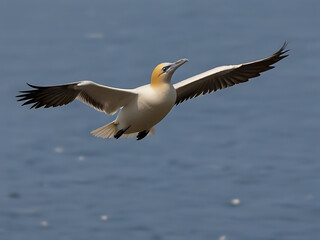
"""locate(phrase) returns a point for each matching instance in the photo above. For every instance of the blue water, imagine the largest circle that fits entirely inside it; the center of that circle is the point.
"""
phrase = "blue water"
(242, 163)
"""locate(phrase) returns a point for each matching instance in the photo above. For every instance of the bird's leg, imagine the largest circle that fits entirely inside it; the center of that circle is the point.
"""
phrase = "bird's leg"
(120, 132)
(142, 134)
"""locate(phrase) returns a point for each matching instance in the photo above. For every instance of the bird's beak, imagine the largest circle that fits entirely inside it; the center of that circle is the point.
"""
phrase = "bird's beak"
(177, 64)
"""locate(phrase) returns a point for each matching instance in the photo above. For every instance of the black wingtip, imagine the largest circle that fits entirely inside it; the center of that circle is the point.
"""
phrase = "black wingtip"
(33, 86)
(30, 85)
(280, 53)
(285, 44)
(284, 49)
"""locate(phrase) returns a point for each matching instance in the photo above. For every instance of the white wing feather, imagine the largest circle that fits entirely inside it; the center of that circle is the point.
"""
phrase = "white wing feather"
(102, 98)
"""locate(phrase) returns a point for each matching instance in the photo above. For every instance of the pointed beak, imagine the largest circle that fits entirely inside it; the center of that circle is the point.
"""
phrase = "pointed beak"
(177, 64)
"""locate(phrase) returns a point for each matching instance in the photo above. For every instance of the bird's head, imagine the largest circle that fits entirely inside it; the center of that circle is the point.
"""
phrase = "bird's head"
(163, 72)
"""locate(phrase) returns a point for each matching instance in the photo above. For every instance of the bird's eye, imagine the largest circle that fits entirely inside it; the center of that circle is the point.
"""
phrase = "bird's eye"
(165, 68)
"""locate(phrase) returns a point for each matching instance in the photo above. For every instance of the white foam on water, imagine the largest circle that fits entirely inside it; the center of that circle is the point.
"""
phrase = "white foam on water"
(59, 150)
(235, 201)
(44, 223)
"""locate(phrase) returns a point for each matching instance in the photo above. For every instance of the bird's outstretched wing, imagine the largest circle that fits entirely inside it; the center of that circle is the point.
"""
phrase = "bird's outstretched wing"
(102, 98)
(225, 76)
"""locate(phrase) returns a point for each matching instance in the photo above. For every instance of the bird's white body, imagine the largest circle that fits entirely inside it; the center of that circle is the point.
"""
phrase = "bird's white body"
(143, 107)
(150, 106)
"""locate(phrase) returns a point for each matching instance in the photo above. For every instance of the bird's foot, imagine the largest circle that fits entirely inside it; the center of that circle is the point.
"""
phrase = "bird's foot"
(120, 132)
(142, 134)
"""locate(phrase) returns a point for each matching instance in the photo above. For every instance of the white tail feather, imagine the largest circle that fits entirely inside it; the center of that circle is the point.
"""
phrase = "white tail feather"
(107, 131)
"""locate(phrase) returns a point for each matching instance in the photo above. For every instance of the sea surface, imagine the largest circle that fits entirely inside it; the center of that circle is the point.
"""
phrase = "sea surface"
(242, 163)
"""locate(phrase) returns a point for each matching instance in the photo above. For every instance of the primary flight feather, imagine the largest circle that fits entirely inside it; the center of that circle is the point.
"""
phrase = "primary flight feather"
(143, 107)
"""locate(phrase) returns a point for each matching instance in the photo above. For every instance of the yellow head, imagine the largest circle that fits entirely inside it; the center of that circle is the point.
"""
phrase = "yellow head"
(163, 72)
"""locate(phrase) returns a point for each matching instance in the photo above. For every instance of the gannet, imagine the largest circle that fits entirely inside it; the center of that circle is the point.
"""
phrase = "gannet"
(145, 106)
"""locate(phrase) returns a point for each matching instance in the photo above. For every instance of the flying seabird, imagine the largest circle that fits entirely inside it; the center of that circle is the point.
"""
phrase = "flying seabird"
(143, 107)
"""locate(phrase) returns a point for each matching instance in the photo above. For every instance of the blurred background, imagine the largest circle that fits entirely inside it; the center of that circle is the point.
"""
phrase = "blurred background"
(242, 163)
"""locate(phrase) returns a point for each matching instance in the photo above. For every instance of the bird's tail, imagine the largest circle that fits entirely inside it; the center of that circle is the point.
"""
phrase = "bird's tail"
(107, 131)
